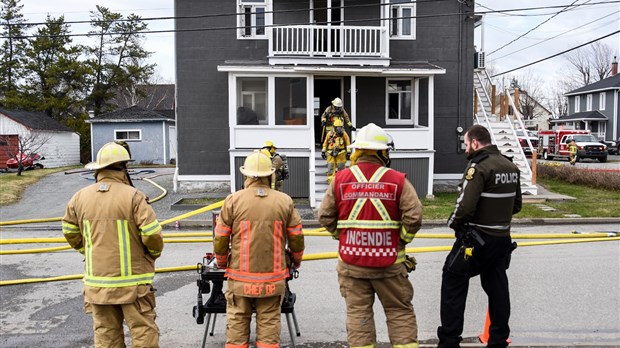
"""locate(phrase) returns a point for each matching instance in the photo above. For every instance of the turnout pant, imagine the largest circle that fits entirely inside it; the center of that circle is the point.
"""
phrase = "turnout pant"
(490, 262)
(239, 316)
(395, 294)
(334, 163)
(139, 316)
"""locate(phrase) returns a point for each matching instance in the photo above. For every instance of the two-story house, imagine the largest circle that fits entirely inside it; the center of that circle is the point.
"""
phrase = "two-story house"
(595, 107)
(255, 70)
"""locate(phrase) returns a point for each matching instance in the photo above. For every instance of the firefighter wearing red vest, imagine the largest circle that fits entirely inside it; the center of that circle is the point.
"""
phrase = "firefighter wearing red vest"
(250, 244)
(336, 149)
(113, 226)
(374, 212)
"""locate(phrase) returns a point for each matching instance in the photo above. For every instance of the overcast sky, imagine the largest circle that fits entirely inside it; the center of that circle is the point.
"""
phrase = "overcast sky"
(564, 31)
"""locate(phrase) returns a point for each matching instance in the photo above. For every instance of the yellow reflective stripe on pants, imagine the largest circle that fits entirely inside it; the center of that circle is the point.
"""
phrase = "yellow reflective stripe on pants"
(408, 345)
(366, 346)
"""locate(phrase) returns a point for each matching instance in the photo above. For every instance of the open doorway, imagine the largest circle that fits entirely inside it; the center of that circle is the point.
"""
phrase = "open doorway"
(325, 90)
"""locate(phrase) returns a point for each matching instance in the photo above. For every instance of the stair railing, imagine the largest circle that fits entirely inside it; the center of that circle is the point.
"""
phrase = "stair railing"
(517, 117)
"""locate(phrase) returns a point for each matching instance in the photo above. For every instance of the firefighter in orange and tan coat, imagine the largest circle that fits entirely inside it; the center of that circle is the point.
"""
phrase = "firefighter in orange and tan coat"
(374, 212)
(250, 244)
(113, 226)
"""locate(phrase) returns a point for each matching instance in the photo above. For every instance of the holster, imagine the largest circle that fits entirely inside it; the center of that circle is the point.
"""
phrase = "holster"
(456, 262)
(513, 246)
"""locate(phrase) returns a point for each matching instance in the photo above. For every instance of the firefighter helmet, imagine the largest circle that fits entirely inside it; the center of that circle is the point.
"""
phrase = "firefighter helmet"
(337, 102)
(372, 137)
(109, 154)
(257, 165)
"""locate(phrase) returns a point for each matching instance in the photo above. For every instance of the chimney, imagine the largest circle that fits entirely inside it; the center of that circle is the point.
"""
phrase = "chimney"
(91, 113)
(614, 67)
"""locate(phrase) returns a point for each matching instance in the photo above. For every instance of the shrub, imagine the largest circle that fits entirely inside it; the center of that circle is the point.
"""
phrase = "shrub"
(606, 180)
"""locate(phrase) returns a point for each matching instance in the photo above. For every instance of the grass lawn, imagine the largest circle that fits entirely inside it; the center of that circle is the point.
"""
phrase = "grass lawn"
(12, 186)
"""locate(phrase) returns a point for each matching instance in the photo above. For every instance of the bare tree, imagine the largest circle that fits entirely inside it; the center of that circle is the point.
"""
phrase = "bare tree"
(26, 151)
(588, 64)
(558, 103)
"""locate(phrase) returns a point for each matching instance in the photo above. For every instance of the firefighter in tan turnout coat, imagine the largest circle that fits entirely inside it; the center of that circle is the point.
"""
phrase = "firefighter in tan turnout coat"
(255, 227)
(113, 226)
(374, 212)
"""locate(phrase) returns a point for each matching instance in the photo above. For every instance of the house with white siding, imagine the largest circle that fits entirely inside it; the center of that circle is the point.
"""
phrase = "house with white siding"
(61, 145)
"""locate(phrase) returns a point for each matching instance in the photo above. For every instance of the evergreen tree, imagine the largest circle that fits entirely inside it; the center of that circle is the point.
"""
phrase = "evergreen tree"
(13, 29)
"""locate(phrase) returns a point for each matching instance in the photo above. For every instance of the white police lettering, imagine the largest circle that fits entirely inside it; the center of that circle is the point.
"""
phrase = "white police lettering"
(369, 238)
(506, 178)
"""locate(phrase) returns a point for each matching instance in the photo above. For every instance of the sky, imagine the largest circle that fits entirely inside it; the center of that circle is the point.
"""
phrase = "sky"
(564, 31)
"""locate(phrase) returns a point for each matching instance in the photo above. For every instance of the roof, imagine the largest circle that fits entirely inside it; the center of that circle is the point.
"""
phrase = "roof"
(395, 68)
(134, 114)
(35, 120)
(586, 115)
(608, 83)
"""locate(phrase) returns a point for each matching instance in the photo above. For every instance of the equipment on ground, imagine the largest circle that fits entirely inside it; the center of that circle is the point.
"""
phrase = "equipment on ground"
(209, 273)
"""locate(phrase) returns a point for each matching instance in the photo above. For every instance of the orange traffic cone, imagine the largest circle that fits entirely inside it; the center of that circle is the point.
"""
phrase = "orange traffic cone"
(484, 336)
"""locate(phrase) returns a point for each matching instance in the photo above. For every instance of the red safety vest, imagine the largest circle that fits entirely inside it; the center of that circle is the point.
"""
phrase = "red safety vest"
(367, 196)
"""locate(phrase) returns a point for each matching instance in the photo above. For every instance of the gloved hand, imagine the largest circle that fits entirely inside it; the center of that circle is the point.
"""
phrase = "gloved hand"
(323, 123)
(410, 263)
(352, 128)
(348, 155)
(324, 155)
(296, 264)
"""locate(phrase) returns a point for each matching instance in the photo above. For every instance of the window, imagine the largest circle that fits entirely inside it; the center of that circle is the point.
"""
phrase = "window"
(577, 102)
(601, 101)
(290, 95)
(252, 18)
(399, 102)
(402, 21)
(251, 100)
(128, 135)
(589, 102)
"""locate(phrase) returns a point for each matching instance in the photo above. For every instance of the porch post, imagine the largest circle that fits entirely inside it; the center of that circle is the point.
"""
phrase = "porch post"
(431, 127)
(353, 101)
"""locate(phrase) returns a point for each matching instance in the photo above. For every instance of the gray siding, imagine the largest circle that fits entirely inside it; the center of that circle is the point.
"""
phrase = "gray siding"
(149, 149)
(416, 170)
(298, 183)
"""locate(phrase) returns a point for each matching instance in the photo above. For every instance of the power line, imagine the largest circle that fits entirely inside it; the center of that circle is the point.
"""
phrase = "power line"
(557, 54)
(538, 26)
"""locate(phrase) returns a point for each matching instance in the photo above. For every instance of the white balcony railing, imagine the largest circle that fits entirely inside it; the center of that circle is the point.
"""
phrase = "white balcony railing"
(333, 44)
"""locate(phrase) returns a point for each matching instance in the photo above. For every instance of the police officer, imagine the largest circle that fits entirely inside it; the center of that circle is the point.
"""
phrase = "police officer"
(255, 227)
(374, 212)
(336, 149)
(331, 113)
(490, 193)
(113, 226)
(279, 162)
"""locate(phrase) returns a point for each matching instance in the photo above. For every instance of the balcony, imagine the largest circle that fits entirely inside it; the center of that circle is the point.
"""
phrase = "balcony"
(329, 45)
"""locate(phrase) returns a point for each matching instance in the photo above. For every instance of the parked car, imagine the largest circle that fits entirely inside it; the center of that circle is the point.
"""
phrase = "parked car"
(612, 146)
(28, 161)
(533, 137)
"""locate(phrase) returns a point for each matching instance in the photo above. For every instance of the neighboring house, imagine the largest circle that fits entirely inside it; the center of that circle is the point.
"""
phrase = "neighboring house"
(151, 134)
(406, 66)
(536, 117)
(594, 107)
(60, 144)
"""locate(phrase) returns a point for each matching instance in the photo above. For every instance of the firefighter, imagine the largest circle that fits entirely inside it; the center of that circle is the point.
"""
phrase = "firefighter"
(374, 212)
(280, 163)
(331, 113)
(254, 229)
(113, 226)
(572, 150)
(336, 149)
(490, 193)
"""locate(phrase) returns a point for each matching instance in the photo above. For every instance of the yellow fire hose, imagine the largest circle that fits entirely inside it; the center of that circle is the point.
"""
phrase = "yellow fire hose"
(162, 195)
(308, 257)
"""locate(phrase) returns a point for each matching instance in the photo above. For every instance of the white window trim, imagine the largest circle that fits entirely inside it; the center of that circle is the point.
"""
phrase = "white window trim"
(271, 100)
(400, 7)
(128, 130)
(602, 99)
(267, 4)
(589, 102)
(415, 84)
(577, 103)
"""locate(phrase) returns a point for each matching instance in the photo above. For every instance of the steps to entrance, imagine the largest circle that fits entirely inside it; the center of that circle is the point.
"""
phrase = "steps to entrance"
(320, 177)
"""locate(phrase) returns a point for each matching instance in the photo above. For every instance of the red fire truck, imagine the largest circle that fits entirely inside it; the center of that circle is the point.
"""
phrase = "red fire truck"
(554, 144)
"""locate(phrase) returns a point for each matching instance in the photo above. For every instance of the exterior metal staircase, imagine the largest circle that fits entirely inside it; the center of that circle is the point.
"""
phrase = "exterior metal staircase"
(503, 131)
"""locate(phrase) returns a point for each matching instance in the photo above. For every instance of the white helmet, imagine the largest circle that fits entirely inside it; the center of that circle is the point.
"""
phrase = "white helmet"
(371, 137)
(337, 102)
(109, 154)
(257, 165)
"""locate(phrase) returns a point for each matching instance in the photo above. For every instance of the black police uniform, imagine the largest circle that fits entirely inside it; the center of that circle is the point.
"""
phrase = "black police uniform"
(490, 193)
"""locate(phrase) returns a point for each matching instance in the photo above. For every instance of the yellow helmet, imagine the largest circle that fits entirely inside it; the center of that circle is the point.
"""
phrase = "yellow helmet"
(109, 154)
(338, 122)
(371, 137)
(269, 143)
(265, 152)
(337, 102)
(257, 165)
